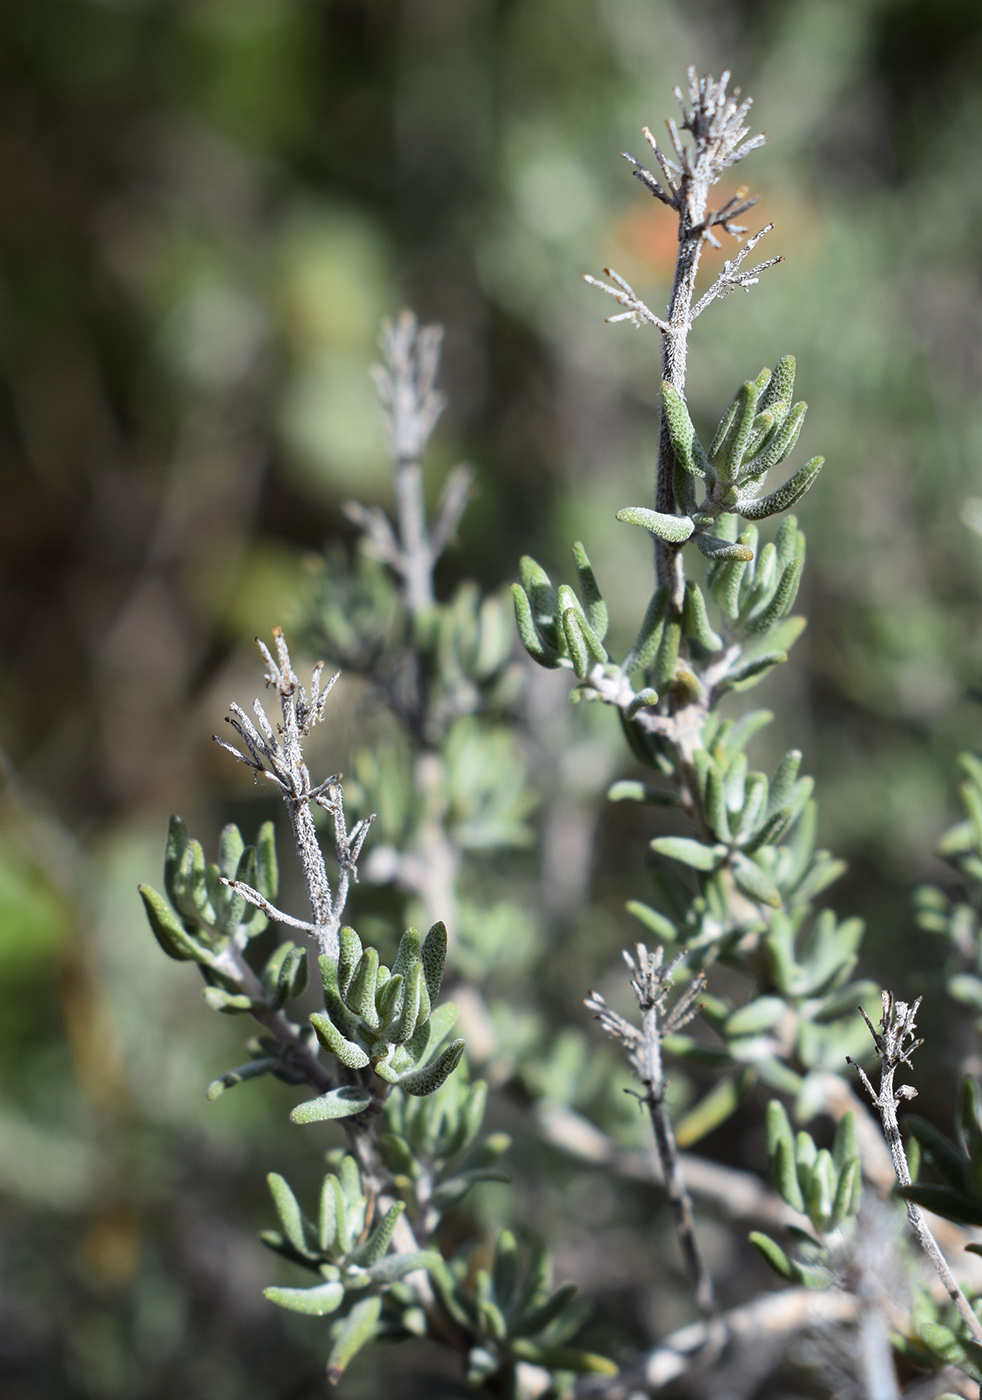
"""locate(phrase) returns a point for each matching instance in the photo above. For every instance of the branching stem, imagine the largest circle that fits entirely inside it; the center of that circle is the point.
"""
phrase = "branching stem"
(895, 1043)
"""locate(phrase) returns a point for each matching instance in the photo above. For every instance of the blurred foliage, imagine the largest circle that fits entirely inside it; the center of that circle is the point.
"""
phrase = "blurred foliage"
(205, 206)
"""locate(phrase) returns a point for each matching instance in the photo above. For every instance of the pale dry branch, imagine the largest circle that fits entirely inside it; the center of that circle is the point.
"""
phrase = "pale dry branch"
(895, 1043)
(651, 982)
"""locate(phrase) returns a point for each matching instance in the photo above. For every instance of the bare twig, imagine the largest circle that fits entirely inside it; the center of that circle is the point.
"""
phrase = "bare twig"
(652, 983)
(277, 756)
(412, 405)
(772, 1315)
(895, 1043)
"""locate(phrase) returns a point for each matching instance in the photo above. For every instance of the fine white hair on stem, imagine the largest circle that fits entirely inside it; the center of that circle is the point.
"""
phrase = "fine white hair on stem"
(277, 756)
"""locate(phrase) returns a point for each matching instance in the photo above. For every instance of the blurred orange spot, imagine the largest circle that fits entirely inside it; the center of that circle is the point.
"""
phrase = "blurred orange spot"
(112, 1245)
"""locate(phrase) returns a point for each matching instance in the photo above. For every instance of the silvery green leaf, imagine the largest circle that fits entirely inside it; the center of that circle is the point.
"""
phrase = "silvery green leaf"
(537, 646)
(631, 790)
(695, 620)
(229, 1003)
(689, 452)
(655, 922)
(354, 1332)
(428, 1079)
(648, 640)
(690, 852)
(433, 955)
(674, 529)
(315, 1302)
(267, 871)
(723, 551)
(378, 1241)
(668, 652)
(753, 881)
(758, 1015)
(177, 841)
(750, 671)
(361, 994)
(297, 1229)
(593, 604)
(785, 496)
(347, 1051)
(396, 1266)
(169, 931)
(780, 388)
(253, 1070)
(349, 956)
(337, 1103)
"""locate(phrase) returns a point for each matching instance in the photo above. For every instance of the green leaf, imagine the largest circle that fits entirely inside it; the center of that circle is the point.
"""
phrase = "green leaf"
(654, 922)
(785, 496)
(409, 1013)
(942, 1200)
(775, 1256)
(297, 1230)
(349, 956)
(689, 852)
(337, 1103)
(847, 1190)
(723, 551)
(648, 640)
(757, 1016)
(505, 1273)
(433, 955)
(331, 1038)
(712, 1109)
(315, 1302)
(750, 671)
(695, 619)
(534, 643)
(253, 1070)
(536, 1318)
(593, 603)
(428, 1079)
(754, 882)
(355, 1331)
(688, 450)
(782, 600)
(784, 1172)
(673, 529)
(668, 652)
(361, 994)
(379, 1240)
(558, 1358)
(396, 1266)
(267, 871)
(168, 930)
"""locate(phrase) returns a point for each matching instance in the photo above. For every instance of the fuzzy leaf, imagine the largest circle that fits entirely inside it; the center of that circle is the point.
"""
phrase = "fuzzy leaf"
(774, 1255)
(337, 1103)
(785, 496)
(695, 620)
(673, 529)
(168, 930)
(648, 640)
(433, 955)
(688, 450)
(724, 551)
(593, 603)
(349, 956)
(534, 643)
(689, 852)
(355, 1331)
(314, 1302)
(331, 1038)
(428, 1079)
(754, 882)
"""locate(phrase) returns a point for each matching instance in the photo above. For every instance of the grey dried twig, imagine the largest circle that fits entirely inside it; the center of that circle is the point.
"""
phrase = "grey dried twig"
(652, 983)
(412, 405)
(277, 756)
(716, 122)
(895, 1042)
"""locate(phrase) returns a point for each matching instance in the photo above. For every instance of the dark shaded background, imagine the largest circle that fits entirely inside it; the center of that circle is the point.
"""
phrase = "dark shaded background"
(205, 207)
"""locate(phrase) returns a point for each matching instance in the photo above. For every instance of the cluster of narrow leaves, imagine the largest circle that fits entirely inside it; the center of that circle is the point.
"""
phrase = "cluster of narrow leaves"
(737, 885)
(348, 1251)
(379, 1021)
(825, 1187)
(956, 914)
(757, 432)
(431, 1148)
(512, 1316)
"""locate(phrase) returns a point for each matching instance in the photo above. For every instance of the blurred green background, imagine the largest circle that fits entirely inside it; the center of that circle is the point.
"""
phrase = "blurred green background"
(205, 207)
